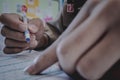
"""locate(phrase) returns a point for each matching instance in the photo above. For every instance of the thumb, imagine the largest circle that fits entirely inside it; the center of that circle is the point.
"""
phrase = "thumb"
(41, 63)
(35, 25)
(33, 28)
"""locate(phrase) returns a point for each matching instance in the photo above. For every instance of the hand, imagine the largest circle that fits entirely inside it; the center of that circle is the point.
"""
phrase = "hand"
(93, 47)
(49, 56)
(14, 29)
(88, 49)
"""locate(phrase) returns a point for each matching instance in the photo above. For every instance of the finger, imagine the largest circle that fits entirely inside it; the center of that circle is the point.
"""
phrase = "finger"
(14, 43)
(78, 42)
(12, 34)
(48, 57)
(12, 21)
(83, 37)
(12, 50)
(42, 62)
(21, 44)
(36, 25)
(33, 42)
(98, 60)
(51, 50)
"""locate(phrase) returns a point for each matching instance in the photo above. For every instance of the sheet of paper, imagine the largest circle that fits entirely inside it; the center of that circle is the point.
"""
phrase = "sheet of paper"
(11, 68)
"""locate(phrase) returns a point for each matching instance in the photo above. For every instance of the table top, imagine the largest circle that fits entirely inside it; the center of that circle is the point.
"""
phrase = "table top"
(12, 66)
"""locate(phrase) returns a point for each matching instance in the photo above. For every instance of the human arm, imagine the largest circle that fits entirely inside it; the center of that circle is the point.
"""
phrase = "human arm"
(94, 45)
(50, 53)
(105, 36)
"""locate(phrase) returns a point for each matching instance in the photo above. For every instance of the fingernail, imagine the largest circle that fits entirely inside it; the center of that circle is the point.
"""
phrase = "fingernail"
(29, 70)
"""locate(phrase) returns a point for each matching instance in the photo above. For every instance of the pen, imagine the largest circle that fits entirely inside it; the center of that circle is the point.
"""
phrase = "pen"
(23, 9)
(25, 20)
(26, 33)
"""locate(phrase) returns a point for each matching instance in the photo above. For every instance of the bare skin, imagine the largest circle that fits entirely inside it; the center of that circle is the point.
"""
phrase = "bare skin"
(80, 48)
(14, 29)
(50, 53)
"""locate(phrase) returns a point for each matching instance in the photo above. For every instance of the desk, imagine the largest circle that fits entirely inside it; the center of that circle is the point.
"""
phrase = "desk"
(11, 68)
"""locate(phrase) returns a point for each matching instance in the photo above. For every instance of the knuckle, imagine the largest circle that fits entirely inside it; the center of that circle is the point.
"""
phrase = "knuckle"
(9, 42)
(62, 54)
(3, 31)
(6, 41)
(4, 50)
(61, 49)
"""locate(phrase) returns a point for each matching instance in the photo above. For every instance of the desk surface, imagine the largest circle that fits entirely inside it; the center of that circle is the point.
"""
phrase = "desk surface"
(11, 68)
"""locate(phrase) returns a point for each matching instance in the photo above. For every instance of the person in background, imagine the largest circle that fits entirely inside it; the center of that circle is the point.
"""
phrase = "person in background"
(86, 42)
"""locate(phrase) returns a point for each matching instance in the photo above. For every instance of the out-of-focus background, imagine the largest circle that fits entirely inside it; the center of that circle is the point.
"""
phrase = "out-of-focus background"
(36, 8)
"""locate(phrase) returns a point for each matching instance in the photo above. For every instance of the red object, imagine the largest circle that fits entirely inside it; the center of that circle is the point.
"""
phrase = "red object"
(24, 8)
(70, 8)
